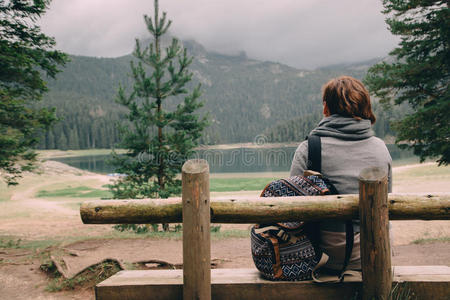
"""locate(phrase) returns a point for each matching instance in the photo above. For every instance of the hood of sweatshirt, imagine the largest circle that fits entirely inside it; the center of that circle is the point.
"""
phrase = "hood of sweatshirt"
(345, 128)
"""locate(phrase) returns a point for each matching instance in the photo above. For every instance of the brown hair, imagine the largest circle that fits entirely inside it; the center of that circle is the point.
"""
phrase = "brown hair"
(347, 96)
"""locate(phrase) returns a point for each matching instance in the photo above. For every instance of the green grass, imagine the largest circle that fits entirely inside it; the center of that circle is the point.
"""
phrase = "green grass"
(17, 243)
(238, 184)
(426, 172)
(233, 233)
(445, 239)
(430, 170)
(59, 283)
(86, 279)
(48, 154)
(406, 161)
(75, 192)
(216, 233)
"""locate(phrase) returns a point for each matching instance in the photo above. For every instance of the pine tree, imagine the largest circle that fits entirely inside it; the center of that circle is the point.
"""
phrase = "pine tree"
(419, 75)
(25, 56)
(73, 142)
(50, 140)
(158, 139)
(61, 141)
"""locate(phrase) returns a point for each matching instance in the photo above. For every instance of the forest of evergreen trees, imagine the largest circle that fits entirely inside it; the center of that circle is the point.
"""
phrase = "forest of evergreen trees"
(298, 129)
(243, 97)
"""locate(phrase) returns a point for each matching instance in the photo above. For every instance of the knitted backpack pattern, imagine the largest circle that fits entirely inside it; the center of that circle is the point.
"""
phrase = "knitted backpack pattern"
(283, 251)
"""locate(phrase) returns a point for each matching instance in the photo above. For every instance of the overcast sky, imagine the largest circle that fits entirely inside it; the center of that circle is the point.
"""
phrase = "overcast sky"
(300, 33)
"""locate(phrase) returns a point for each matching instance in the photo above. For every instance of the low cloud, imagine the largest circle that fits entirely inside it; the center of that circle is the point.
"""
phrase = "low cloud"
(304, 34)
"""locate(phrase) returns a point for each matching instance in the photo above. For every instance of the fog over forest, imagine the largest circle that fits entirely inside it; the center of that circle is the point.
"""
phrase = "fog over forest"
(303, 34)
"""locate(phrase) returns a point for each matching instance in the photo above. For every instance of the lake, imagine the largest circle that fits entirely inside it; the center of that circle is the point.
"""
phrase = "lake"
(223, 161)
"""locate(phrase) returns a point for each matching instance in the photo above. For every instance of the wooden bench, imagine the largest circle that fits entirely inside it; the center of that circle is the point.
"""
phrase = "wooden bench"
(425, 282)
(372, 206)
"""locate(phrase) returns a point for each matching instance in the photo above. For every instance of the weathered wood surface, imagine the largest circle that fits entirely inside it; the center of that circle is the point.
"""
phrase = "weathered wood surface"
(257, 209)
(196, 235)
(426, 282)
(375, 247)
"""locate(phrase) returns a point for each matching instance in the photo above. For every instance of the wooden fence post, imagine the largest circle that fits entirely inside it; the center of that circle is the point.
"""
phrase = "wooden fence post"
(196, 230)
(375, 246)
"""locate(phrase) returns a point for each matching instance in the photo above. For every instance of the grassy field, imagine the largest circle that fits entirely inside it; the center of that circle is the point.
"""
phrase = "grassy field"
(10, 242)
(426, 170)
(227, 182)
(175, 233)
(405, 161)
(239, 184)
(216, 185)
(47, 154)
(444, 239)
(74, 192)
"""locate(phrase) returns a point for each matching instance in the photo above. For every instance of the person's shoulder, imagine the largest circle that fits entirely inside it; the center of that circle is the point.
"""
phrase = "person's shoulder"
(301, 153)
(375, 139)
(379, 145)
(302, 146)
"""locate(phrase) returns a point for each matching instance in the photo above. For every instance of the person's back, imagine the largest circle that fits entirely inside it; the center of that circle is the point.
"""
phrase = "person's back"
(348, 146)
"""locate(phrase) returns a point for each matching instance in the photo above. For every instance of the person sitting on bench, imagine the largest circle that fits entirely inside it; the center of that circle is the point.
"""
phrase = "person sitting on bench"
(347, 147)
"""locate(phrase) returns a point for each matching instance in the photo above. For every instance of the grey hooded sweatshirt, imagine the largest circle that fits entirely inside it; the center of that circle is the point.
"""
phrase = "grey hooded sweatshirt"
(348, 146)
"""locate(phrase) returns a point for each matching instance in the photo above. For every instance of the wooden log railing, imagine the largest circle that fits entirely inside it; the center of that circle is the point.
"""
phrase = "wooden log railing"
(375, 246)
(373, 206)
(196, 231)
(251, 209)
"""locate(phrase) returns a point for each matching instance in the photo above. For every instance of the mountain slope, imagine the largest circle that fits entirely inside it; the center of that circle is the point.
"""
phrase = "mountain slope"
(244, 97)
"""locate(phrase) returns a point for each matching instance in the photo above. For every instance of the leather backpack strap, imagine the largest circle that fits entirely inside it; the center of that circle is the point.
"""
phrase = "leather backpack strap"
(349, 241)
(314, 153)
(315, 164)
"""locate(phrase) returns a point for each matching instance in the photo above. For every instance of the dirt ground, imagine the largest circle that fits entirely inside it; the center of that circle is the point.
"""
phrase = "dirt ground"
(56, 220)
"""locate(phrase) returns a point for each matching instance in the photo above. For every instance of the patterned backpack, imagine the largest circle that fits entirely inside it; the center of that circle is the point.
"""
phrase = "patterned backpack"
(283, 251)
(289, 251)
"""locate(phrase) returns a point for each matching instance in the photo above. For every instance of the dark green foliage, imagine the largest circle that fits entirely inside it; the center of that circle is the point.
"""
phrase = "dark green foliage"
(418, 74)
(139, 229)
(85, 122)
(159, 137)
(244, 97)
(297, 129)
(293, 130)
(25, 56)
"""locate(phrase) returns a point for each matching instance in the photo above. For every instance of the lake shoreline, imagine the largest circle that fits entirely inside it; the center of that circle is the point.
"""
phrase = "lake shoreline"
(229, 158)
(56, 153)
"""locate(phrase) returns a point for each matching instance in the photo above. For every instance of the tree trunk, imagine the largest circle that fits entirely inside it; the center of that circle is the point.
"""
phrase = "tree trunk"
(161, 174)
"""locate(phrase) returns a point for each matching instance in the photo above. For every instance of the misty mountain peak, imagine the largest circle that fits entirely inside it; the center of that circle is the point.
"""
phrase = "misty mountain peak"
(193, 47)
